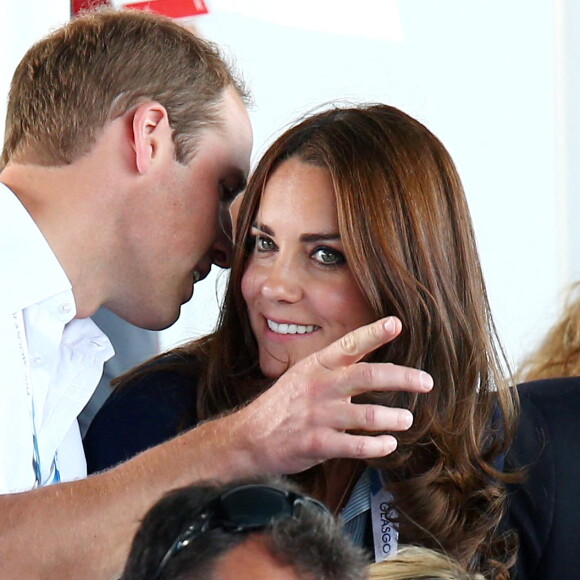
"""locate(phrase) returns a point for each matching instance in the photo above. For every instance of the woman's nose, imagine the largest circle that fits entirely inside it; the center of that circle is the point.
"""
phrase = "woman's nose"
(282, 284)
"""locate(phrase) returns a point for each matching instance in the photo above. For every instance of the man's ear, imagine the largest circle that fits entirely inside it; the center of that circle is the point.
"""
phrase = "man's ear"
(150, 131)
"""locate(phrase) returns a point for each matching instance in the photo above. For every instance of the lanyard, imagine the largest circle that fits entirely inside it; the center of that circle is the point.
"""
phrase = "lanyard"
(53, 475)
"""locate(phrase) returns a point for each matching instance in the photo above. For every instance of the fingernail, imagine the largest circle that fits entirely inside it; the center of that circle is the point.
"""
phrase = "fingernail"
(389, 324)
(390, 444)
(426, 381)
(406, 419)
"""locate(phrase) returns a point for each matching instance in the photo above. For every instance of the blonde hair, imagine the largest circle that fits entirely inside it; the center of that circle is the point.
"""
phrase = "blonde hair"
(559, 353)
(415, 563)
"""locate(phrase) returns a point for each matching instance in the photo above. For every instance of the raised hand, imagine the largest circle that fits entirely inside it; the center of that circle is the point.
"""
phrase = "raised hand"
(303, 418)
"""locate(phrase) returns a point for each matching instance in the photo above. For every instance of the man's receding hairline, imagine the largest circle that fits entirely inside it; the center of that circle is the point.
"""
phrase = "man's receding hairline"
(220, 119)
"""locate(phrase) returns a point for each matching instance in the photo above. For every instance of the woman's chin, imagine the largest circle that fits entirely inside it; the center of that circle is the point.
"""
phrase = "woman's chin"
(273, 368)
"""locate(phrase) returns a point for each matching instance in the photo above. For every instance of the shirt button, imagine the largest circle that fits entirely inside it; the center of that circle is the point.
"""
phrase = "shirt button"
(65, 308)
(37, 361)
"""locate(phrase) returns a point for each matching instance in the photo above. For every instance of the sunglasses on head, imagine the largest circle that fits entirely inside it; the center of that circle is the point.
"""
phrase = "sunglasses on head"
(243, 509)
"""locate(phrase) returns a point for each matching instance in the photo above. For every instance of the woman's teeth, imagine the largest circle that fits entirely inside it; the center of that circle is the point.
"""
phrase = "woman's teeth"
(290, 328)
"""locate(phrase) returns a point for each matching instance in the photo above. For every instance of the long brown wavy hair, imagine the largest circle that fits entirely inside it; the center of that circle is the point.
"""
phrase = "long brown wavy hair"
(408, 239)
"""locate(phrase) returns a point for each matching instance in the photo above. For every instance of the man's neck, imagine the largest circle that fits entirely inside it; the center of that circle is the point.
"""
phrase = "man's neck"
(56, 199)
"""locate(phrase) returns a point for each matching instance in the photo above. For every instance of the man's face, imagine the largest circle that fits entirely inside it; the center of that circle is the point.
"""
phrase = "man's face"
(251, 560)
(176, 234)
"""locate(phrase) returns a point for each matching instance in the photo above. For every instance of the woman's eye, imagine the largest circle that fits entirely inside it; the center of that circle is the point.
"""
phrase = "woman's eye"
(328, 256)
(264, 244)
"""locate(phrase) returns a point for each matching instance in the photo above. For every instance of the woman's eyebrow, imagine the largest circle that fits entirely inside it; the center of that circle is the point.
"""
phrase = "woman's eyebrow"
(318, 237)
(310, 238)
(307, 238)
(263, 228)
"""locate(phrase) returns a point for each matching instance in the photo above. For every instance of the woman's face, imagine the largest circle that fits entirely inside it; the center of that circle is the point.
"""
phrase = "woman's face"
(299, 290)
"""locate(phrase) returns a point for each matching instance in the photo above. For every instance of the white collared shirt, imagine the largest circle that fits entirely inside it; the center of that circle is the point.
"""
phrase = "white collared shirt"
(50, 362)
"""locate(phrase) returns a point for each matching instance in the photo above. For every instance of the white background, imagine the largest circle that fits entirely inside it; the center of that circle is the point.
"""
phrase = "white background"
(493, 79)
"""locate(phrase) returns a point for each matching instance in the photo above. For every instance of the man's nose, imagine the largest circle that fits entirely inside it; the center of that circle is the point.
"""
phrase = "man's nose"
(222, 249)
(234, 211)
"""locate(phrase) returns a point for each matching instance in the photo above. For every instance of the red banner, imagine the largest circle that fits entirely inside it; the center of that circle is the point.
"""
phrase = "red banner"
(77, 5)
(171, 8)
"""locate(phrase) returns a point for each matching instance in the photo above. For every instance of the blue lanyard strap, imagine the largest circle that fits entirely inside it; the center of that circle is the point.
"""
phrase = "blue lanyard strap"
(53, 475)
(357, 506)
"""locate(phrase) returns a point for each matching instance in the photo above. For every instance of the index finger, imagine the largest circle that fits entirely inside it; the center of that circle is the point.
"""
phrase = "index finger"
(355, 345)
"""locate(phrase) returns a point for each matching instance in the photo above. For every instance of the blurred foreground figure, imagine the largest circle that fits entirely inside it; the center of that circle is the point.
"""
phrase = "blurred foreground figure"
(251, 530)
